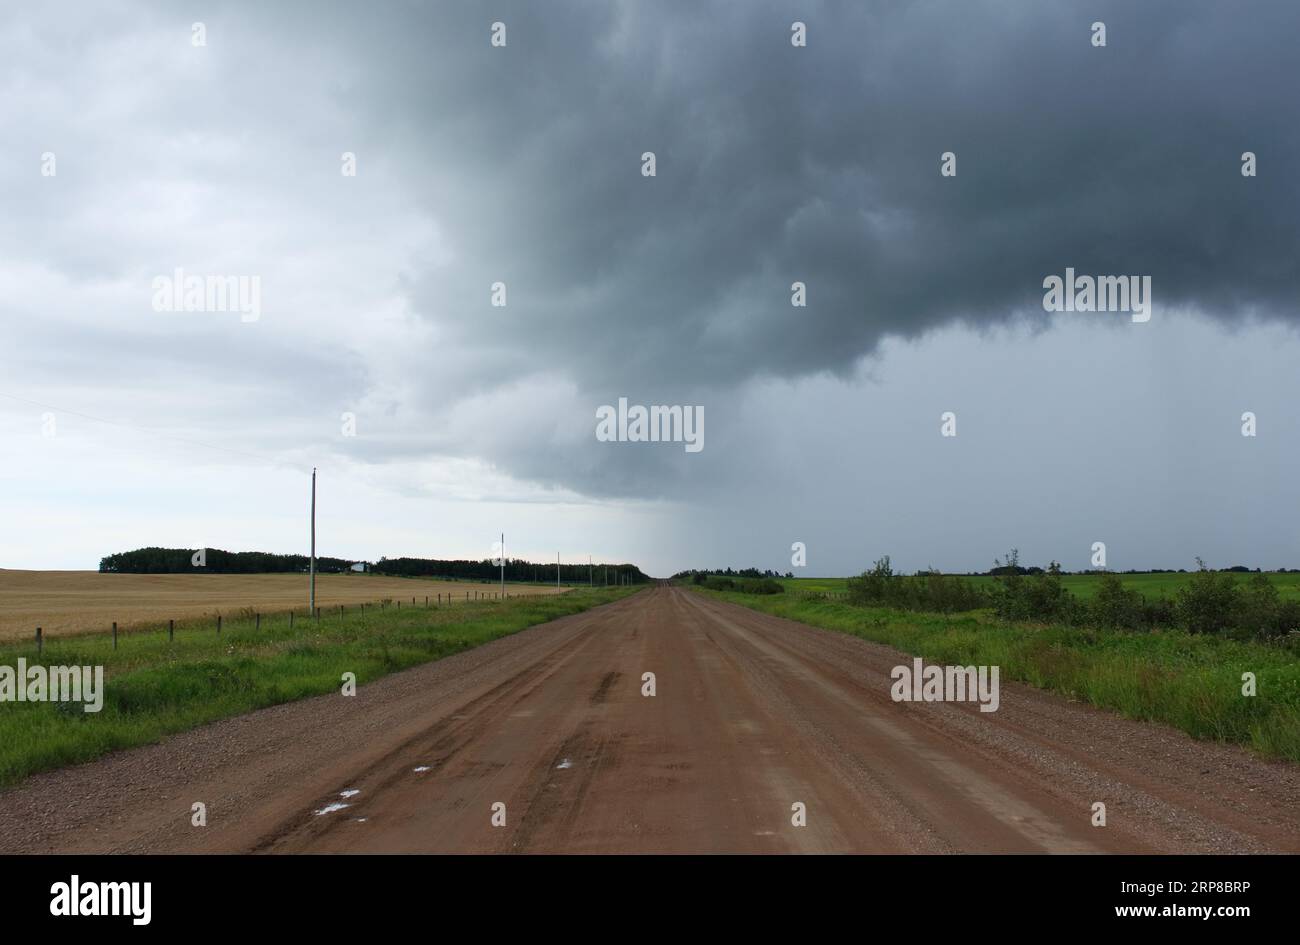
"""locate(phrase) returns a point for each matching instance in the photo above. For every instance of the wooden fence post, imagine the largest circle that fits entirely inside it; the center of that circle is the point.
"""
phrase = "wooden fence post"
(115, 634)
(218, 624)
(40, 641)
(171, 630)
(259, 622)
(291, 620)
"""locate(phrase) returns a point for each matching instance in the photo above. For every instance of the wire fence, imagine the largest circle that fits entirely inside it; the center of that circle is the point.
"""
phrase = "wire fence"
(431, 601)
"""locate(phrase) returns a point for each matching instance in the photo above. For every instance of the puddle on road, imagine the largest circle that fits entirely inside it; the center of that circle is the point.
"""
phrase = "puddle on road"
(421, 769)
(566, 763)
(331, 808)
(350, 792)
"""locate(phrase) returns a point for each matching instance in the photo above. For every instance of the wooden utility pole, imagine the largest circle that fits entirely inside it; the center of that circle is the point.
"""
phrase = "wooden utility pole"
(503, 564)
(313, 540)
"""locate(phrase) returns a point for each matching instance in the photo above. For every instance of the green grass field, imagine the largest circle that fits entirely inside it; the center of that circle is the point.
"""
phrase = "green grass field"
(154, 687)
(1193, 682)
(1081, 585)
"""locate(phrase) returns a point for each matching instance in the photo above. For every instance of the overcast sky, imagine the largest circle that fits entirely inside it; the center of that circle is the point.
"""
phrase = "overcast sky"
(522, 164)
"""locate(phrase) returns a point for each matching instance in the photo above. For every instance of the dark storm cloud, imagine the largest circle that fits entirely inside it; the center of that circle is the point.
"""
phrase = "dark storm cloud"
(820, 165)
(778, 164)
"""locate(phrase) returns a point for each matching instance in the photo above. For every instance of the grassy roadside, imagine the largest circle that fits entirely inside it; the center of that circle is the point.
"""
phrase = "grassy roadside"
(1083, 586)
(153, 687)
(1190, 681)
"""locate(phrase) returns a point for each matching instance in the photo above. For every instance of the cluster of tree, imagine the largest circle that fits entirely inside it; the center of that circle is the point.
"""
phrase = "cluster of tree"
(747, 584)
(177, 560)
(1001, 568)
(691, 573)
(516, 569)
(1210, 602)
(926, 590)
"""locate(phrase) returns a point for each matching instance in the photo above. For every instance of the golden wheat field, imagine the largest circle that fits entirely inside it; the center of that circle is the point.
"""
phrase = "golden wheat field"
(63, 602)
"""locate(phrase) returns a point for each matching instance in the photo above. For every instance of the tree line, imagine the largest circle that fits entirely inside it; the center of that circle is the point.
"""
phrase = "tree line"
(1210, 602)
(182, 561)
(691, 573)
(516, 569)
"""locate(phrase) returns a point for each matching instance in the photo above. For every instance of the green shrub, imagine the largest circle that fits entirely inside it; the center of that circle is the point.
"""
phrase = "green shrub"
(1046, 597)
(1116, 607)
(924, 591)
(745, 585)
(871, 587)
(1209, 603)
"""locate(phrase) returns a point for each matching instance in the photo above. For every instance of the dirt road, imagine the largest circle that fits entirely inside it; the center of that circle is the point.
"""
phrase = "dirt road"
(751, 715)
